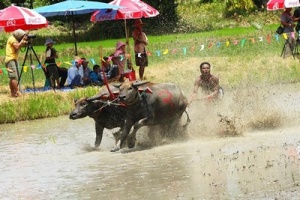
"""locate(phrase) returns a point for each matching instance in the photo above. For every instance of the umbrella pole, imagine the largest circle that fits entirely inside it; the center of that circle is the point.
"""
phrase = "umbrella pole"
(128, 61)
(74, 35)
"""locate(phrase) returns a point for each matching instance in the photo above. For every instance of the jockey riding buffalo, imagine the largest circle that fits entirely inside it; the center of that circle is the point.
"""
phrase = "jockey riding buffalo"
(106, 113)
(149, 104)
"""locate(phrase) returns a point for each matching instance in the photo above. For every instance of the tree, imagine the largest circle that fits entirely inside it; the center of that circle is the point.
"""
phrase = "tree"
(239, 7)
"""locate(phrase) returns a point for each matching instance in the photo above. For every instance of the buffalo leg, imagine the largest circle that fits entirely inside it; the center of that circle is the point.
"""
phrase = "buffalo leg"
(123, 135)
(132, 137)
(99, 134)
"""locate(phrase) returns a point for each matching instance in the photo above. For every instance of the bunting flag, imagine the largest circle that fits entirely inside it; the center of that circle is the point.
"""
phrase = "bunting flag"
(158, 53)
(227, 43)
(184, 50)
(202, 47)
(167, 51)
(243, 42)
(93, 61)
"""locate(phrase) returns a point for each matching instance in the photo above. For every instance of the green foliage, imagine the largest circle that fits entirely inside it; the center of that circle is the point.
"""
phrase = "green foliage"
(239, 7)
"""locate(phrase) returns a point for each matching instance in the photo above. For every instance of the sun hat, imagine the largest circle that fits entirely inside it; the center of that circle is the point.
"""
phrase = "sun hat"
(119, 44)
(84, 60)
(77, 60)
(49, 41)
(138, 22)
(18, 34)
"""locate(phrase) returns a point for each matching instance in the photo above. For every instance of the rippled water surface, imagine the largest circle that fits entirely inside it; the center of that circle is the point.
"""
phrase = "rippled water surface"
(54, 159)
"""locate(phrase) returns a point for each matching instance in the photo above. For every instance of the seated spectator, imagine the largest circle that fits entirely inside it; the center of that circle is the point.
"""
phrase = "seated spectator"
(75, 74)
(94, 77)
(111, 71)
(63, 74)
(86, 71)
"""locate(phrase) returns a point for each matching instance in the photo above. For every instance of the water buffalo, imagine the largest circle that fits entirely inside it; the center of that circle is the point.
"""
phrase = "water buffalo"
(149, 104)
(106, 113)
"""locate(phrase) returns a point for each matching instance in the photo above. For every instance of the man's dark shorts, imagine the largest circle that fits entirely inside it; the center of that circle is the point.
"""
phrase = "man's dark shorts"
(141, 59)
(52, 71)
(13, 65)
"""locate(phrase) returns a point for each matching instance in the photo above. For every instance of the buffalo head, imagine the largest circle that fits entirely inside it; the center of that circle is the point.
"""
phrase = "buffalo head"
(129, 91)
(85, 107)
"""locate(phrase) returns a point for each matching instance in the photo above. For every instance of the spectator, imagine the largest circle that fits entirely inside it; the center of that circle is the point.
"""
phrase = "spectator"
(51, 67)
(86, 71)
(94, 77)
(75, 74)
(17, 40)
(140, 43)
(119, 59)
(208, 83)
(287, 21)
(111, 71)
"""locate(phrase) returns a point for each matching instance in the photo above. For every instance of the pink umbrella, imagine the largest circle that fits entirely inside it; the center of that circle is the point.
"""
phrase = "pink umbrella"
(281, 4)
(14, 17)
(133, 9)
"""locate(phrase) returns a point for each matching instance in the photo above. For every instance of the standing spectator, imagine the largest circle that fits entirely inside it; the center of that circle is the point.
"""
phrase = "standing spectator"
(75, 74)
(287, 21)
(297, 19)
(119, 59)
(52, 71)
(17, 40)
(86, 71)
(140, 43)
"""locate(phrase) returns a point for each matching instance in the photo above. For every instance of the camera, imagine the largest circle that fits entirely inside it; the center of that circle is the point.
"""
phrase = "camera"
(31, 36)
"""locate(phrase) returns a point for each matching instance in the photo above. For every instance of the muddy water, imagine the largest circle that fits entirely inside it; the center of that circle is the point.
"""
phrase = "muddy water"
(54, 159)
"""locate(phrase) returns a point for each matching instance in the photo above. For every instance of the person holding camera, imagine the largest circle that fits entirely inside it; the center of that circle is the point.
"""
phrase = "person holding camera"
(14, 43)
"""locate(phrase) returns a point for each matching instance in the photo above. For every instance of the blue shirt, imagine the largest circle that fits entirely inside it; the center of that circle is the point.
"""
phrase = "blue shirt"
(74, 71)
(93, 77)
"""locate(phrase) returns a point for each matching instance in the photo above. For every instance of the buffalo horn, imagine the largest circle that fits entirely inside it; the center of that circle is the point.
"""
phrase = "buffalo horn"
(94, 98)
(137, 84)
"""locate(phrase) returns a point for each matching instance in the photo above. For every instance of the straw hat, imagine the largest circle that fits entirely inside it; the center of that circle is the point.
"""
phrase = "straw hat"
(49, 41)
(119, 44)
(18, 34)
(138, 22)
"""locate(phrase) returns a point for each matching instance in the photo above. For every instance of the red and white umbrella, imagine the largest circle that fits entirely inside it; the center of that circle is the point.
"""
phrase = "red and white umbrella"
(281, 4)
(15, 17)
(133, 9)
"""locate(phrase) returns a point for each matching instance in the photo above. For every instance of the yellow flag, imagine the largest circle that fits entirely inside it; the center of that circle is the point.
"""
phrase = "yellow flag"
(166, 51)
(25, 68)
(285, 36)
(227, 43)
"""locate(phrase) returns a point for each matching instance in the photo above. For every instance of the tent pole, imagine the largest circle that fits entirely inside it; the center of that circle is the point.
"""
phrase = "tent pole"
(73, 24)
